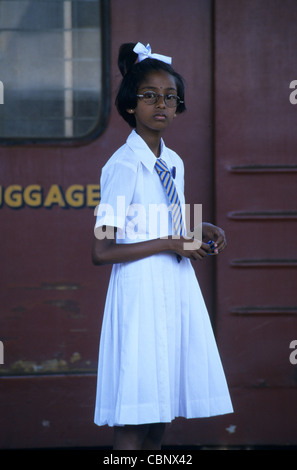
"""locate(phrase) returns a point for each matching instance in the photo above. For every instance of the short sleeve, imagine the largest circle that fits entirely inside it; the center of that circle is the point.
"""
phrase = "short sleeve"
(117, 184)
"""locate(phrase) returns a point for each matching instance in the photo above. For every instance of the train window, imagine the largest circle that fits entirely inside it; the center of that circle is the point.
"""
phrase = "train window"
(53, 67)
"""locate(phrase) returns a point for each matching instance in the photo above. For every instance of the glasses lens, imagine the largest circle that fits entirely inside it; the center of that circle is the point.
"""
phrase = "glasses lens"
(150, 97)
(172, 101)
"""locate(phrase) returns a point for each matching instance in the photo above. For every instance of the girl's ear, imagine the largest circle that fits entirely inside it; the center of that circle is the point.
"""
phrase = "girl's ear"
(130, 111)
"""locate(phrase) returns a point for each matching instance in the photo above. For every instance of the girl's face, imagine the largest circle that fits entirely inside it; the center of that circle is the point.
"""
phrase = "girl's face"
(152, 118)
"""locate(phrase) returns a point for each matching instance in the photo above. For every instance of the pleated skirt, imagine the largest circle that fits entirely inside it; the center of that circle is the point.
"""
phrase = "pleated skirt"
(158, 357)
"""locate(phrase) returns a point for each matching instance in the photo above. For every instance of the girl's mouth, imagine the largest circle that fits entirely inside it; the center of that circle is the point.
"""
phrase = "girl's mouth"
(159, 117)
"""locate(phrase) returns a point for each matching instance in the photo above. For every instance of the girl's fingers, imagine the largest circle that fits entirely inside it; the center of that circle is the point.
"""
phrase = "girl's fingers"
(203, 251)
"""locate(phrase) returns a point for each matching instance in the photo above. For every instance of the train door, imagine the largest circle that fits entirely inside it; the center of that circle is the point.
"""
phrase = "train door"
(256, 169)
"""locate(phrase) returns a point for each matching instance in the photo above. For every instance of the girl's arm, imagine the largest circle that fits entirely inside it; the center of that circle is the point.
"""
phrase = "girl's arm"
(107, 251)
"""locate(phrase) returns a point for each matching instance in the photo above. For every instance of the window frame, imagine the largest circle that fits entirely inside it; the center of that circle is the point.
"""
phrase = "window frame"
(105, 109)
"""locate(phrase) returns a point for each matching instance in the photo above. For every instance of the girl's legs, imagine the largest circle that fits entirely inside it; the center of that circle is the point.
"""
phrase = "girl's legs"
(154, 437)
(137, 437)
(129, 437)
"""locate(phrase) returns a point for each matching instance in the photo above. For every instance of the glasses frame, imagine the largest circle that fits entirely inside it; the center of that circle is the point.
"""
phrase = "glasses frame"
(157, 96)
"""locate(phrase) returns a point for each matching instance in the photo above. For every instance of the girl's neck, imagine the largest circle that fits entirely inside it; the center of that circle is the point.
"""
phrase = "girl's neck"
(153, 141)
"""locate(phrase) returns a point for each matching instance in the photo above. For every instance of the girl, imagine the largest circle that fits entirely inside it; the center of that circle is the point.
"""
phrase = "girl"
(158, 358)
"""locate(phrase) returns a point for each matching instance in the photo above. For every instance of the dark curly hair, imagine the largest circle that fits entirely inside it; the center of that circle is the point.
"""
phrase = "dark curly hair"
(133, 74)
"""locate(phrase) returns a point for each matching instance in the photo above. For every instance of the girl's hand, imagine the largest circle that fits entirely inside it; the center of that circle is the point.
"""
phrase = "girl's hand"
(190, 248)
(212, 232)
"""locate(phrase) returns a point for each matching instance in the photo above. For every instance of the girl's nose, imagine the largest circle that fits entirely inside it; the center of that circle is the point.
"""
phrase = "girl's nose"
(161, 101)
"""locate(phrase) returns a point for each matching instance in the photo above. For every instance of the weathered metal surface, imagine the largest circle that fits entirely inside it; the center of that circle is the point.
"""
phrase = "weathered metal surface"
(52, 298)
(256, 202)
(243, 171)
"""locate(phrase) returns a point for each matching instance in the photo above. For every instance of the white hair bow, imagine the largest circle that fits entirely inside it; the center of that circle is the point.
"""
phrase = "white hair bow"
(145, 52)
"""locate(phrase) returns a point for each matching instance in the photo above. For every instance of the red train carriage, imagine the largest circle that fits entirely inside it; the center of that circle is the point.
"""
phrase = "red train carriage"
(58, 126)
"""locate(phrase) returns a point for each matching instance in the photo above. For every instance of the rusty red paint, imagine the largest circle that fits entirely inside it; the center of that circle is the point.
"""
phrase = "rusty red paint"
(241, 166)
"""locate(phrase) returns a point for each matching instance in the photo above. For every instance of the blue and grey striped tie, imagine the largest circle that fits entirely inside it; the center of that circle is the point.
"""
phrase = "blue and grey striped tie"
(171, 192)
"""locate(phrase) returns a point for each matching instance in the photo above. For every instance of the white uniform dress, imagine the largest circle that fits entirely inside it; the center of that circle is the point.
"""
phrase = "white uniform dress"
(158, 358)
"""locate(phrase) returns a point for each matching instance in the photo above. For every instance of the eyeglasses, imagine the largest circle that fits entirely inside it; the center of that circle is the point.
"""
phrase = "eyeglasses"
(150, 97)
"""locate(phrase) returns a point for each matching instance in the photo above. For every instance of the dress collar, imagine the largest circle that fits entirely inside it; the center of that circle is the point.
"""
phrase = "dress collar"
(146, 156)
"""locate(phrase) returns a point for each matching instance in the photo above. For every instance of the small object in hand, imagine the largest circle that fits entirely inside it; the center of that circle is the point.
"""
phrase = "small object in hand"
(211, 243)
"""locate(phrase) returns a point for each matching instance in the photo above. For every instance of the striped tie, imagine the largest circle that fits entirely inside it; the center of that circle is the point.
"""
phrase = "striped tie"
(171, 192)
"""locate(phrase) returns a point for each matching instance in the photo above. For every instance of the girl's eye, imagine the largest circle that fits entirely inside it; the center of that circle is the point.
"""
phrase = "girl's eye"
(171, 98)
(149, 95)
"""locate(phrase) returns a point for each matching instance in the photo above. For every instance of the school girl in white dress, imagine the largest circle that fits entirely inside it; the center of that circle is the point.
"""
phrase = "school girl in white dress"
(158, 358)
